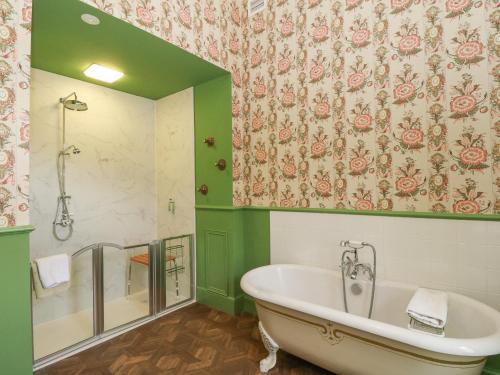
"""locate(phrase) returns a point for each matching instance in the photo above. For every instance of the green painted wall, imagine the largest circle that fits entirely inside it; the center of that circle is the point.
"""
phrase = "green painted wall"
(230, 242)
(492, 366)
(257, 238)
(16, 356)
(219, 258)
(154, 68)
(219, 251)
(212, 118)
(257, 245)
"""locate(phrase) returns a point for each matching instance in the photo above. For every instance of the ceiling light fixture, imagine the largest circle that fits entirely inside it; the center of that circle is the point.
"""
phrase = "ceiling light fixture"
(90, 19)
(102, 73)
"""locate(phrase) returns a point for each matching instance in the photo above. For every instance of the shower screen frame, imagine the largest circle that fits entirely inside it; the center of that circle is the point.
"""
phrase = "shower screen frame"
(156, 293)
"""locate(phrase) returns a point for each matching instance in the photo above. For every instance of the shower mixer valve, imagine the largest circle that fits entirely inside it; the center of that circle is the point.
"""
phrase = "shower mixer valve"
(351, 267)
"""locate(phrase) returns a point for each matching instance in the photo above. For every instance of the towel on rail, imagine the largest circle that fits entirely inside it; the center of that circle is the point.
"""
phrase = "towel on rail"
(53, 270)
(429, 307)
(40, 291)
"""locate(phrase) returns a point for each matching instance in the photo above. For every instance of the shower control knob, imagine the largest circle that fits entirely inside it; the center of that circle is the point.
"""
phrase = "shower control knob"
(210, 141)
(203, 189)
(221, 164)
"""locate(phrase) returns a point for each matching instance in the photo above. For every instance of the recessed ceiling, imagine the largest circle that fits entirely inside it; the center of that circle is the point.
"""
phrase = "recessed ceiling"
(63, 44)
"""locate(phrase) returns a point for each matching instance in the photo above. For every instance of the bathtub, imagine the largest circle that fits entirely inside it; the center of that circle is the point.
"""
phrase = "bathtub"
(301, 311)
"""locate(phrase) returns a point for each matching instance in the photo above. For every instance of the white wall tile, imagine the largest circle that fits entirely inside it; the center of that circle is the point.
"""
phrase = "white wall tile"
(456, 255)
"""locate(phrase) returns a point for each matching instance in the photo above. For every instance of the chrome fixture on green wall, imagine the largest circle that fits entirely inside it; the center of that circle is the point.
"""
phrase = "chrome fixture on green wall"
(213, 121)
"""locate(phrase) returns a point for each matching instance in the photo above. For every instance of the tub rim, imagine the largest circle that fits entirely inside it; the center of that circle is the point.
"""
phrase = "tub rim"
(469, 347)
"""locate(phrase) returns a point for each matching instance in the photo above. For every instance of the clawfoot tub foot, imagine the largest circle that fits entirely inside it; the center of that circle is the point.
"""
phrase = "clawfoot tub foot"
(270, 361)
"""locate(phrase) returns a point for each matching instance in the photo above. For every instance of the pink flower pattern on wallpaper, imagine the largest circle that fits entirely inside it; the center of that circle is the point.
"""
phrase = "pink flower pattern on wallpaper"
(382, 104)
(15, 35)
(394, 106)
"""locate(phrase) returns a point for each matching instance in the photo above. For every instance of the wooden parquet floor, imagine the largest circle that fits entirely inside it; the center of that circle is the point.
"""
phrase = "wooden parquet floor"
(195, 340)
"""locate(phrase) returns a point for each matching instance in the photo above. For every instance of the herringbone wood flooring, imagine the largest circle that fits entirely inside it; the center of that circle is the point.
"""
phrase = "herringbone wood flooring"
(195, 340)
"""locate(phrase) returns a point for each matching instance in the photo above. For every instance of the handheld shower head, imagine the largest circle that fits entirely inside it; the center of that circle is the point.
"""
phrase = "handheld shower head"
(75, 150)
(352, 244)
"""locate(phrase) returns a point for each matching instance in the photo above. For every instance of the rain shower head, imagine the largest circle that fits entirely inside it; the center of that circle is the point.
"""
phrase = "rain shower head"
(73, 104)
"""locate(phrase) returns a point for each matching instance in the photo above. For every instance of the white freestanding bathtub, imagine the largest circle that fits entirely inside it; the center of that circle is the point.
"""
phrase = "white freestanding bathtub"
(301, 311)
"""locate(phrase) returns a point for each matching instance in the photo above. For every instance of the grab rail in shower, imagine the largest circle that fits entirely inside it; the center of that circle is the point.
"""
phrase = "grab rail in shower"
(96, 246)
(120, 247)
(106, 244)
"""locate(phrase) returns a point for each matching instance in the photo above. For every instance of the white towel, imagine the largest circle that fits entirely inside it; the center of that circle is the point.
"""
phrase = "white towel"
(429, 306)
(53, 270)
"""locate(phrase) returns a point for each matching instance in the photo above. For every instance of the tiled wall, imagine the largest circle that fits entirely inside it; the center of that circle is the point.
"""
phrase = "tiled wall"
(175, 174)
(111, 182)
(455, 255)
(136, 154)
(174, 146)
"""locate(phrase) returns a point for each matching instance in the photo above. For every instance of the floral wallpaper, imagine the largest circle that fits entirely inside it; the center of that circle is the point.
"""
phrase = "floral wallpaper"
(372, 105)
(367, 105)
(15, 35)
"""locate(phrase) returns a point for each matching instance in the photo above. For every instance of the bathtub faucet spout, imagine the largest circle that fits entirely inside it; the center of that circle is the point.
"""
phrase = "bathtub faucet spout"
(364, 268)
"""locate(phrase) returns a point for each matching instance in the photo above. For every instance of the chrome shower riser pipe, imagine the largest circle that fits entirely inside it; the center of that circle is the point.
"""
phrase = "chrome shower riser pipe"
(63, 216)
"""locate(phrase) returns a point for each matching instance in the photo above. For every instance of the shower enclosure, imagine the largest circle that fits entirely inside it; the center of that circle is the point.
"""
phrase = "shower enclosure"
(131, 256)
(115, 292)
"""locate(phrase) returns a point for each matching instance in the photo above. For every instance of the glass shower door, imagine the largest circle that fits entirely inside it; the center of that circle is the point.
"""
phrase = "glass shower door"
(127, 284)
(177, 271)
(112, 287)
(63, 318)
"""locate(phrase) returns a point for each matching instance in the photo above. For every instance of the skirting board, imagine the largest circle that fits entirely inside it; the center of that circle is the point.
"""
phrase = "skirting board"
(227, 304)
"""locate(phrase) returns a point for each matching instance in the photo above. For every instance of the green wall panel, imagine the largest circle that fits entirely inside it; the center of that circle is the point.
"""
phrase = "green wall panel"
(257, 238)
(219, 259)
(257, 245)
(492, 366)
(212, 118)
(16, 356)
(216, 261)
(248, 242)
